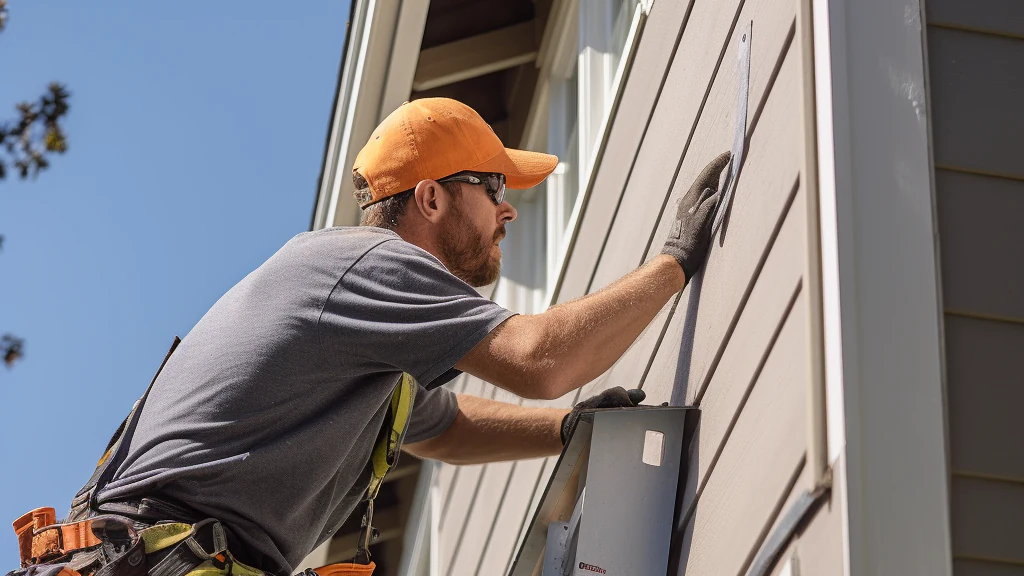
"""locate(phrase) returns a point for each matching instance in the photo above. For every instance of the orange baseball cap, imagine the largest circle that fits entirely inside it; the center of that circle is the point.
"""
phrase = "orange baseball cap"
(432, 138)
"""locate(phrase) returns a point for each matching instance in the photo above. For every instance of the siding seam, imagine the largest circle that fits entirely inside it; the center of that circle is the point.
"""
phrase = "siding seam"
(748, 133)
(526, 515)
(472, 504)
(643, 135)
(988, 477)
(962, 170)
(476, 489)
(703, 482)
(771, 239)
(791, 487)
(988, 560)
(693, 128)
(981, 316)
(974, 30)
(501, 503)
(706, 382)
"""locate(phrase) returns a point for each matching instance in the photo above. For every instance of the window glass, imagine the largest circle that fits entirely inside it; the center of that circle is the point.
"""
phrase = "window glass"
(583, 87)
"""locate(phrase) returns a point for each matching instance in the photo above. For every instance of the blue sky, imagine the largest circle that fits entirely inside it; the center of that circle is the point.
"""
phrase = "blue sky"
(196, 135)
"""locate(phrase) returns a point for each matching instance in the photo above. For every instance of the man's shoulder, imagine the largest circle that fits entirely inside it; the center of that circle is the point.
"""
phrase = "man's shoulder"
(345, 242)
(348, 234)
(363, 248)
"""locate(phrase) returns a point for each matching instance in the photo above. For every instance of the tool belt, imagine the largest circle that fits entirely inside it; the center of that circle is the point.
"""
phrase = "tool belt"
(92, 541)
(111, 545)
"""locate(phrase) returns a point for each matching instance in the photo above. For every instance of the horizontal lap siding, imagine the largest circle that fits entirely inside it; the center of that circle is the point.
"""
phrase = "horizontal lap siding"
(986, 568)
(644, 86)
(975, 51)
(988, 519)
(764, 451)
(675, 118)
(981, 232)
(521, 486)
(976, 89)
(747, 340)
(991, 16)
(985, 375)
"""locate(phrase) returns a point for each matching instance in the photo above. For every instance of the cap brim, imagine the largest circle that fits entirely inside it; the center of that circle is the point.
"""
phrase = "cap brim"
(522, 168)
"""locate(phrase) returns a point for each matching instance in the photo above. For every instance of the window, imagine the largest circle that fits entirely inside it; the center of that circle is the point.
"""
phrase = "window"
(583, 62)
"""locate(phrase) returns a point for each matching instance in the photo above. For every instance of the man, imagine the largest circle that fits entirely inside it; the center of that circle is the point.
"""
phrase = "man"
(266, 415)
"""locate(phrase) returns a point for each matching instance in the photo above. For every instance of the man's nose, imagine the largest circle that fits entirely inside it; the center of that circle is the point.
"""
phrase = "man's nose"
(506, 212)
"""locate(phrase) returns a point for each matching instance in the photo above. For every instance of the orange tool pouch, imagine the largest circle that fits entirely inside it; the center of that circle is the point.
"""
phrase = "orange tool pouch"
(41, 539)
(343, 569)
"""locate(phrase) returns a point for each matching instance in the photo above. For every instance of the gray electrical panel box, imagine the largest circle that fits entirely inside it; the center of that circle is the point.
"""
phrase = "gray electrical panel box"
(609, 504)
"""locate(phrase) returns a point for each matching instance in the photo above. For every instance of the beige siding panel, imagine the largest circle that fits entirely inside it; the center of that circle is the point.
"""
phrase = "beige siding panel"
(456, 510)
(988, 519)
(976, 91)
(483, 509)
(984, 368)
(643, 86)
(763, 453)
(746, 363)
(981, 233)
(983, 568)
(997, 16)
(766, 189)
(446, 472)
(711, 133)
(675, 115)
(510, 516)
(461, 483)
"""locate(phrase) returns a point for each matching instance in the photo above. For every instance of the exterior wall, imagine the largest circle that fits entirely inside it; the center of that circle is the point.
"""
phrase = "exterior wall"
(973, 51)
(736, 342)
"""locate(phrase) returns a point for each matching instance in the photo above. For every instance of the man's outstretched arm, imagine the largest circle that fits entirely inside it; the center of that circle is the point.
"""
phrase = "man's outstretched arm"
(491, 431)
(547, 355)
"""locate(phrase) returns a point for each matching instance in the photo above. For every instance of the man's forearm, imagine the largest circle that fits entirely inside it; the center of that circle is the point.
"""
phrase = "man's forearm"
(549, 354)
(491, 431)
(584, 337)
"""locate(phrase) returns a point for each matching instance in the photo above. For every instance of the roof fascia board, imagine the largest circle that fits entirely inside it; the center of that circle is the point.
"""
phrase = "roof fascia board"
(881, 300)
(377, 75)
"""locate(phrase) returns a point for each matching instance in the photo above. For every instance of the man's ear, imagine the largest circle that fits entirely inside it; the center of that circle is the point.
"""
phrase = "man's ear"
(431, 200)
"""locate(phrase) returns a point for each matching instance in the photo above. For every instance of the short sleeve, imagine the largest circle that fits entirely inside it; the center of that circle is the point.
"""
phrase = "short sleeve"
(398, 308)
(432, 413)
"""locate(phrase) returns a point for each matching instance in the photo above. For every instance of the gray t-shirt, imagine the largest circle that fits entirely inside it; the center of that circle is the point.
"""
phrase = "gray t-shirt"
(266, 414)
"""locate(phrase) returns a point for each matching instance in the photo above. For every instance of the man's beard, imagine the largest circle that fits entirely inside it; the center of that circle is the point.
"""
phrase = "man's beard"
(465, 253)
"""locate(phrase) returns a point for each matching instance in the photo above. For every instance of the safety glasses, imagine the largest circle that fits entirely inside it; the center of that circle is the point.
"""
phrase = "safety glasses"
(493, 182)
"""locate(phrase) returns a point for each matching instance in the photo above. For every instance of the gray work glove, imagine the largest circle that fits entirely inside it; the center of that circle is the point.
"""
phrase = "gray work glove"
(690, 237)
(617, 397)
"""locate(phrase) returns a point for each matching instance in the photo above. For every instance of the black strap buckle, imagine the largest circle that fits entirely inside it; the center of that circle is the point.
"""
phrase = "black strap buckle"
(367, 534)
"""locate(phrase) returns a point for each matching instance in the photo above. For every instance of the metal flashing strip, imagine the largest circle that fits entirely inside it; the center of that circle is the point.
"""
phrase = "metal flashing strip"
(768, 554)
(739, 138)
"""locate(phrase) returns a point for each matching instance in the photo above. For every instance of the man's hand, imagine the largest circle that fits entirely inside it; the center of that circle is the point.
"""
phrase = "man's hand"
(617, 397)
(690, 237)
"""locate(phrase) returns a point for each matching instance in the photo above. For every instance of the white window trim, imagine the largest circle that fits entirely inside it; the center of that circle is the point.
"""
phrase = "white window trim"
(554, 47)
(590, 161)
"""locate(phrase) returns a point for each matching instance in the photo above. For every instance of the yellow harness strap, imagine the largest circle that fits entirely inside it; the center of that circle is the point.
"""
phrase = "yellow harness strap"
(389, 443)
(385, 457)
